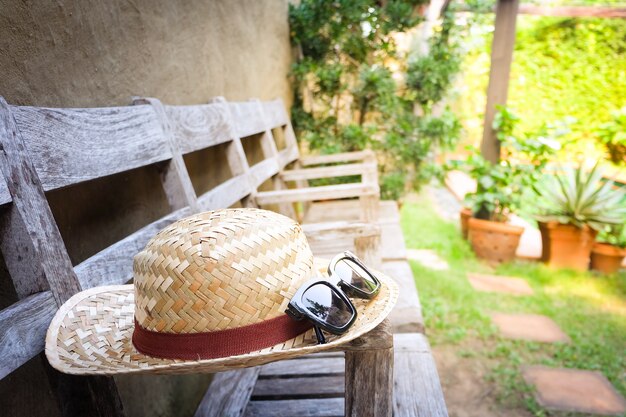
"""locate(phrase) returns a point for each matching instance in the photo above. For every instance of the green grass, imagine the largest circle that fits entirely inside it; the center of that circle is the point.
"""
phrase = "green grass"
(590, 308)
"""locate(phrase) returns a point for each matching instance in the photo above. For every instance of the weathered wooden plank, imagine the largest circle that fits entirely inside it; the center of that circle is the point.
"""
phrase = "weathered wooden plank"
(406, 316)
(335, 158)
(499, 73)
(114, 265)
(318, 366)
(174, 176)
(287, 156)
(226, 194)
(316, 193)
(23, 328)
(289, 388)
(328, 172)
(275, 113)
(332, 231)
(199, 127)
(369, 383)
(318, 407)
(5, 196)
(263, 171)
(228, 393)
(247, 118)
(417, 390)
(68, 146)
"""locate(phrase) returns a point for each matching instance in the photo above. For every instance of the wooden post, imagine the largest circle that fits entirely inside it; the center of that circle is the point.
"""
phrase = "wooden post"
(501, 58)
(369, 374)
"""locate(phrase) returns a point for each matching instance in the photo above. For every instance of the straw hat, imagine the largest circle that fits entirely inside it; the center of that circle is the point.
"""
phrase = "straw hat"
(219, 273)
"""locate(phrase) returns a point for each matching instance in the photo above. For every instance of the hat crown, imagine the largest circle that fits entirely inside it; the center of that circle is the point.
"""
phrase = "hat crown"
(220, 270)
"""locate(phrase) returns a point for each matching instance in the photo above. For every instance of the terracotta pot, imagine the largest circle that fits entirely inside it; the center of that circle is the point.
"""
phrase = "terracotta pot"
(465, 215)
(607, 258)
(494, 241)
(566, 246)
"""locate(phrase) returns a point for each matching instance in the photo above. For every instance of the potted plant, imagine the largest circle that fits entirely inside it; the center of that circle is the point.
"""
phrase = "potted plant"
(613, 135)
(607, 254)
(573, 206)
(500, 187)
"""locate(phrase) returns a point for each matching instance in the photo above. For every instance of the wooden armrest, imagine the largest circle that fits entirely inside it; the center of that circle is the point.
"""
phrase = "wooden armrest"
(326, 192)
(337, 157)
(329, 172)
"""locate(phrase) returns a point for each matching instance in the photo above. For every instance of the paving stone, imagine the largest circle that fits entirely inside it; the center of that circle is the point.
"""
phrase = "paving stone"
(494, 283)
(428, 258)
(531, 327)
(574, 390)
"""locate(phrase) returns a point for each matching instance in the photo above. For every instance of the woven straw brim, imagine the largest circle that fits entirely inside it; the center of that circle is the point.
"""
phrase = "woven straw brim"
(91, 334)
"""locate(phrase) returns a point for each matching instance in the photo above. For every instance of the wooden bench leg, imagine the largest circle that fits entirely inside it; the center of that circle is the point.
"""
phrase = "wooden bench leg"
(369, 375)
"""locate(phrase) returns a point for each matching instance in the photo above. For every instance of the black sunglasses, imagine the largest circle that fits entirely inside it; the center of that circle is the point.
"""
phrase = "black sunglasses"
(324, 301)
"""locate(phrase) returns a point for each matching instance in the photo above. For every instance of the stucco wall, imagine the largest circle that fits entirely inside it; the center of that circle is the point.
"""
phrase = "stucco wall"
(88, 53)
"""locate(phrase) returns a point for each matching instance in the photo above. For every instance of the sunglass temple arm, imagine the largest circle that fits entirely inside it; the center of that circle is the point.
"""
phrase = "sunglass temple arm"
(320, 336)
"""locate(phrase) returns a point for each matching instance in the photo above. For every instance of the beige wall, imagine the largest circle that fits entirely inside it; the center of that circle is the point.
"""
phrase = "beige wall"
(88, 53)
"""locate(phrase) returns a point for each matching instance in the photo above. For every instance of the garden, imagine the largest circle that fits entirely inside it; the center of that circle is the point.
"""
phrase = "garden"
(532, 240)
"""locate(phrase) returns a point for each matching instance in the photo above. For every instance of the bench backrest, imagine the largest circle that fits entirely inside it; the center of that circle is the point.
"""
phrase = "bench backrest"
(47, 149)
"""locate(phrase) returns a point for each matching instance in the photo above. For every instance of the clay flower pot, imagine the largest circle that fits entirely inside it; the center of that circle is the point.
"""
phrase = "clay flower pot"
(607, 258)
(465, 215)
(494, 241)
(566, 246)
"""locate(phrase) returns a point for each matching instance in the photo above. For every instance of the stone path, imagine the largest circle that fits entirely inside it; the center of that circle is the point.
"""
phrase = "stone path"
(531, 327)
(428, 258)
(499, 284)
(574, 390)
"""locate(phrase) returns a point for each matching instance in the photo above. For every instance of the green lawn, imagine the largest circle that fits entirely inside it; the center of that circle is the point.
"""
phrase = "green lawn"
(590, 308)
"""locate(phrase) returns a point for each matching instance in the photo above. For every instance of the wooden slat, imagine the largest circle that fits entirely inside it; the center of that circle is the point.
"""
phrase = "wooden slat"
(318, 366)
(199, 127)
(275, 113)
(226, 194)
(333, 231)
(327, 172)
(263, 171)
(287, 156)
(228, 393)
(289, 388)
(316, 193)
(417, 390)
(337, 157)
(318, 407)
(5, 196)
(23, 329)
(68, 146)
(114, 265)
(247, 118)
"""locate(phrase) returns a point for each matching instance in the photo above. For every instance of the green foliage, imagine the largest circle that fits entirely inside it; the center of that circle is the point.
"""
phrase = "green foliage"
(500, 187)
(351, 92)
(579, 198)
(614, 234)
(613, 135)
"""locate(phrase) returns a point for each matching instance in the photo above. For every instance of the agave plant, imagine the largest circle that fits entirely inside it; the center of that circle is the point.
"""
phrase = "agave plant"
(579, 198)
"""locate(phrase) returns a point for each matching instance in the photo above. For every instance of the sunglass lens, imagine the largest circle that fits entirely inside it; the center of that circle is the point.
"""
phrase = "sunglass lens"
(322, 302)
(352, 273)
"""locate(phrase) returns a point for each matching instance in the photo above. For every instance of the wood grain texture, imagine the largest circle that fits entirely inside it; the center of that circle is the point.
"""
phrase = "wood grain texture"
(417, 390)
(264, 170)
(114, 265)
(174, 176)
(369, 383)
(289, 388)
(199, 127)
(5, 196)
(328, 172)
(247, 118)
(23, 328)
(335, 158)
(332, 231)
(226, 194)
(228, 393)
(317, 407)
(316, 193)
(309, 366)
(69, 146)
(380, 338)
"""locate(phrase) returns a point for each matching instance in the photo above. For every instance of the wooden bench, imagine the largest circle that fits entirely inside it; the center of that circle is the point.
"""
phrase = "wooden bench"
(47, 149)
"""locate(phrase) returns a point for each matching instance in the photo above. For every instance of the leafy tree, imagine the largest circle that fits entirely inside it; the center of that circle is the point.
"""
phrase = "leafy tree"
(356, 89)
